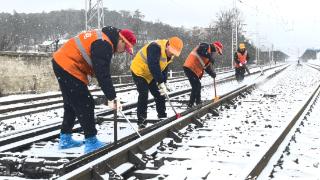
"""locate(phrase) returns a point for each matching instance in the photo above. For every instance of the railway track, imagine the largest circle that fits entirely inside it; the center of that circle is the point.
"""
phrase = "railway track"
(56, 120)
(16, 108)
(19, 107)
(298, 155)
(141, 153)
(11, 123)
(16, 136)
(52, 134)
(144, 159)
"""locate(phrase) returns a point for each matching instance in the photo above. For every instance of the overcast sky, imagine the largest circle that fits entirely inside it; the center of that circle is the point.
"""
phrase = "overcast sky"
(290, 25)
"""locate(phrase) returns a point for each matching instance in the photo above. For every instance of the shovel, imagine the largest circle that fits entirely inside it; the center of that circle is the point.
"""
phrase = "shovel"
(178, 115)
(216, 98)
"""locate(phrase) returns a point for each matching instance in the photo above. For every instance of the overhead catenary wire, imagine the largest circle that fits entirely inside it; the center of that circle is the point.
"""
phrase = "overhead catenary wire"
(253, 5)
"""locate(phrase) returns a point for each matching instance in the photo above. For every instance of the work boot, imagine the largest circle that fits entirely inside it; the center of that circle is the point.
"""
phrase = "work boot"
(92, 143)
(162, 116)
(198, 102)
(67, 142)
(142, 123)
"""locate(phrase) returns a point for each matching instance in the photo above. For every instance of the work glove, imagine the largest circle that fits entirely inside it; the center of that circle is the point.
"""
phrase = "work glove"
(115, 104)
(244, 63)
(162, 89)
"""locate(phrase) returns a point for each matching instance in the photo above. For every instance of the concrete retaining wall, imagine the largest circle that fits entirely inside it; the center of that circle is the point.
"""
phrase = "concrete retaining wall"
(26, 73)
(22, 73)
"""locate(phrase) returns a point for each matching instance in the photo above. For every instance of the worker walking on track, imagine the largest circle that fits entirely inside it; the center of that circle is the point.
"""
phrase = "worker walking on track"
(241, 58)
(199, 60)
(87, 54)
(149, 71)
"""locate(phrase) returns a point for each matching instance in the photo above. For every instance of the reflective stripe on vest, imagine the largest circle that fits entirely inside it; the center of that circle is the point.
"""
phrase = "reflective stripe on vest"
(199, 58)
(139, 65)
(145, 58)
(82, 50)
(242, 57)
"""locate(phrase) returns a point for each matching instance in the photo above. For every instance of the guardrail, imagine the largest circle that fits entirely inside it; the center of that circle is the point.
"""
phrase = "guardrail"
(128, 77)
(171, 74)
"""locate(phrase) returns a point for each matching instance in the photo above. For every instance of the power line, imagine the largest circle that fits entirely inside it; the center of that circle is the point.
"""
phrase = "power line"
(279, 18)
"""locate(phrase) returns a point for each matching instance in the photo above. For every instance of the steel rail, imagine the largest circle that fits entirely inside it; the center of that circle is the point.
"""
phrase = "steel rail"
(263, 162)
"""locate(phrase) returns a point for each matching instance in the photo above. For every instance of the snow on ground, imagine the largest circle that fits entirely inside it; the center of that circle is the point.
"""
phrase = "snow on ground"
(236, 138)
(229, 145)
(53, 116)
(22, 96)
(299, 156)
(31, 121)
(105, 130)
(314, 62)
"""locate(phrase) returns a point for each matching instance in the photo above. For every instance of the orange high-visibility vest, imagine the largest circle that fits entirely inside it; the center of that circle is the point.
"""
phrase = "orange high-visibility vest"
(242, 58)
(196, 63)
(75, 55)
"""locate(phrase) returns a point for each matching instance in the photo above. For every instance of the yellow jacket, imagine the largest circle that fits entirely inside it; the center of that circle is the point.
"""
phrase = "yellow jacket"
(139, 65)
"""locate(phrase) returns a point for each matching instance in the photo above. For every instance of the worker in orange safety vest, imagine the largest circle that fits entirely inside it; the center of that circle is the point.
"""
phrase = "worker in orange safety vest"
(88, 54)
(241, 58)
(199, 60)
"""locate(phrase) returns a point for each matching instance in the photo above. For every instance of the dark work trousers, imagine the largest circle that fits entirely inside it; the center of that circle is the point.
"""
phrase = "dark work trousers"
(143, 89)
(240, 73)
(196, 86)
(77, 102)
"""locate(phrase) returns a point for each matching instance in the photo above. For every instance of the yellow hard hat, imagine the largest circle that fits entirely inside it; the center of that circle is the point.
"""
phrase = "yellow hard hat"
(175, 45)
(242, 46)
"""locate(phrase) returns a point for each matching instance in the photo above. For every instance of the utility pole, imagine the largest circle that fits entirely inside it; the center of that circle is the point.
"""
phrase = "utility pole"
(272, 53)
(298, 56)
(257, 53)
(234, 35)
(269, 56)
(94, 14)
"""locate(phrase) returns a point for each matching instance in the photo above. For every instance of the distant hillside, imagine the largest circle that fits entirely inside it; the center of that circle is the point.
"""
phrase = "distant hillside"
(20, 31)
(310, 54)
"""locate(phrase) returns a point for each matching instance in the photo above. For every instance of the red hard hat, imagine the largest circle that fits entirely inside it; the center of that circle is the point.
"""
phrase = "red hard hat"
(218, 45)
(130, 39)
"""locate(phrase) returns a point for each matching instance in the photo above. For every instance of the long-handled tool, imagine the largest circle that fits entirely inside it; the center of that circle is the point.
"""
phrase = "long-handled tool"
(129, 123)
(178, 115)
(216, 98)
(246, 68)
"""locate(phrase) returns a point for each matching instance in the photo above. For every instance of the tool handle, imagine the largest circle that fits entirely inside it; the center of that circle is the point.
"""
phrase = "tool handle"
(167, 96)
(129, 123)
(215, 89)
